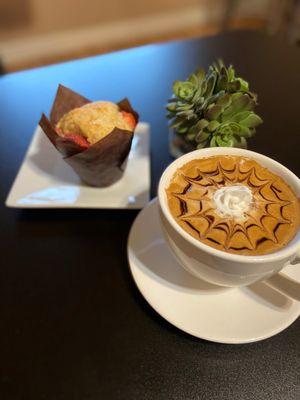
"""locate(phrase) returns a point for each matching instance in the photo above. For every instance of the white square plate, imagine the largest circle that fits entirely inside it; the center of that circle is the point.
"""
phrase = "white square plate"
(46, 181)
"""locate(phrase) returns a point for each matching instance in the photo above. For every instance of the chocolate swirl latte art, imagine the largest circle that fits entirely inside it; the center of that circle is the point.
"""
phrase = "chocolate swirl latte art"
(234, 204)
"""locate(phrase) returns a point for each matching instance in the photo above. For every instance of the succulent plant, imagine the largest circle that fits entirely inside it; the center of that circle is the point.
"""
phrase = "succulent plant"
(214, 108)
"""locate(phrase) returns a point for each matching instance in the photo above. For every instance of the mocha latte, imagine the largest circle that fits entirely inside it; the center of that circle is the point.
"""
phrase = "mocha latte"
(234, 204)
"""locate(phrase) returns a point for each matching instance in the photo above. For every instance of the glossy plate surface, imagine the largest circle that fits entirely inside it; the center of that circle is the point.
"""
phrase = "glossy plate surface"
(225, 315)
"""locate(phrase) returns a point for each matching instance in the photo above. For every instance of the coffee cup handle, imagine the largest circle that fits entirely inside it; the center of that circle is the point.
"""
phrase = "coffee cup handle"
(284, 284)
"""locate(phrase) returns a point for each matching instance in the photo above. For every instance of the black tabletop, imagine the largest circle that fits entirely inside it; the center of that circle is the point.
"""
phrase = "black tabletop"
(73, 325)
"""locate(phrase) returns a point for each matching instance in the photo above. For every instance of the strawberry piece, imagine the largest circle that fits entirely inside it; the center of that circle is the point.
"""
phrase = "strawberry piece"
(59, 132)
(80, 140)
(129, 118)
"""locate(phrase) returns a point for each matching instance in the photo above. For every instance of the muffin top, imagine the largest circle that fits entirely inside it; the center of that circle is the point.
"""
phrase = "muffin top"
(94, 121)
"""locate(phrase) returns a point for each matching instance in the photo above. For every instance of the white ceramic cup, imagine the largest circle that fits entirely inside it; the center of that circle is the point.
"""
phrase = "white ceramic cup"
(219, 267)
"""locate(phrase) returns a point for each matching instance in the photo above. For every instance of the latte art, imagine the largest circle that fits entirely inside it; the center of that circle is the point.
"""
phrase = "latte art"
(234, 204)
(233, 201)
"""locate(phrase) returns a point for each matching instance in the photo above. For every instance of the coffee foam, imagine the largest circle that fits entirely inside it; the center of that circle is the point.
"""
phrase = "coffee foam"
(234, 204)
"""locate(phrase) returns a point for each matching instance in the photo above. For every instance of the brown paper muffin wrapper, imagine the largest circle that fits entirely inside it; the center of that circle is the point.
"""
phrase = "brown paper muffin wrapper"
(104, 162)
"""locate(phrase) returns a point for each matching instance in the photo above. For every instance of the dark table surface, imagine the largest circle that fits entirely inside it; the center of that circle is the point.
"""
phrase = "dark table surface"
(73, 324)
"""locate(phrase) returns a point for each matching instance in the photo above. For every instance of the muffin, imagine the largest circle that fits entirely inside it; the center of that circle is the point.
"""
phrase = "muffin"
(93, 137)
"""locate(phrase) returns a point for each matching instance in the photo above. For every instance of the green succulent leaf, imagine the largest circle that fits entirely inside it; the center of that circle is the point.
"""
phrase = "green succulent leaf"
(214, 112)
(176, 85)
(234, 86)
(182, 129)
(235, 96)
(222, 83)
(225, 100)
(190, 136)
(171, 107)
(213, 142)
(251, 121)
(201, 145)
(210, 85)
(213, 125)
(202, 137)
(177, 122)
(231, 73)
(186, 90)
(244, 84)
(245, 132)
(225, 140)
(240, 103)
(200, 73)
(203, 123)
(240, 116)
(194, 80)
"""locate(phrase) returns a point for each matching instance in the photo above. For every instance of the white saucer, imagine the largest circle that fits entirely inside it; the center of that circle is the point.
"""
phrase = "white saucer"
(225, 315)
(45, 180)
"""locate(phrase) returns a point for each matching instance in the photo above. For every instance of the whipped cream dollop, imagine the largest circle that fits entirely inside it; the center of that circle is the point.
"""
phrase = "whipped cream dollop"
(233, 201)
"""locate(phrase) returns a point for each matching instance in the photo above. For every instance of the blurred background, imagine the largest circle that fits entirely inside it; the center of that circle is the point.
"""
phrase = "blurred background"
(40, 32)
